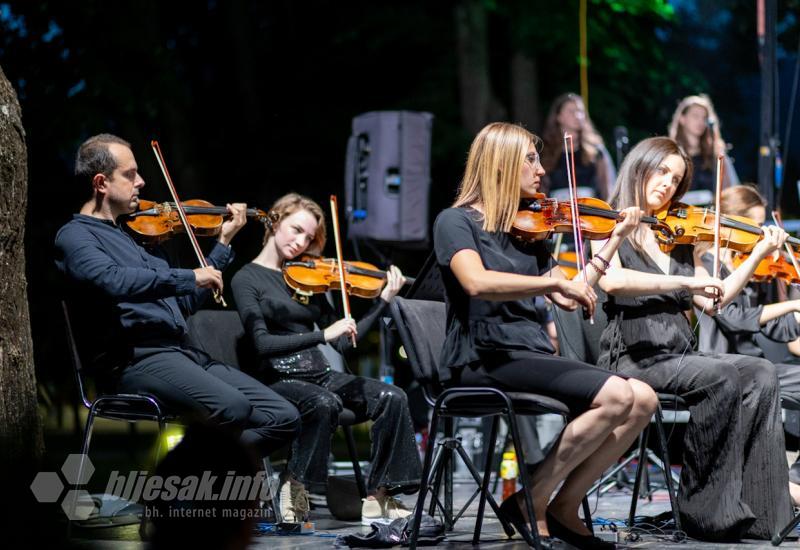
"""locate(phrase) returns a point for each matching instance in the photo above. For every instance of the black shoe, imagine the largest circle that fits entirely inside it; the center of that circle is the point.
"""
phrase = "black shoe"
(583, 542)
(512, 512)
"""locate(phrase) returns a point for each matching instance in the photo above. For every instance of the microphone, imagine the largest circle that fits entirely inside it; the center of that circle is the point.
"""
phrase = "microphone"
(621, 136)
(621, 142)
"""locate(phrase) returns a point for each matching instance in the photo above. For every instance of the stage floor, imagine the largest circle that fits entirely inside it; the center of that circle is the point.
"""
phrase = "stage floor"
(612, 506)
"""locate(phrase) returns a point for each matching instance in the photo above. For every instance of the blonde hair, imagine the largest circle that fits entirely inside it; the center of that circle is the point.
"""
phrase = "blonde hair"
(590, 140)
(711, 142)
(492, 175)
(288, 205)
(740, 199)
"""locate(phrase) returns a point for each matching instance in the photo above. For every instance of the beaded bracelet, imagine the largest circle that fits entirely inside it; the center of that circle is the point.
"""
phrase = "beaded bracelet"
(606, 263)
(599, 270)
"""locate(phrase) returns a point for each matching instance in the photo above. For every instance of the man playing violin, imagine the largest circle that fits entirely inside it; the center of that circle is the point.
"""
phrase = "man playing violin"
(131, 304)
(286, 332)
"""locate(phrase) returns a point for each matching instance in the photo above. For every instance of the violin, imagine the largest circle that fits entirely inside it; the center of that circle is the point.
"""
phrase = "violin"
(154, 222)
(770, 268)
(543, 216)
(691, 224)
(310, 275)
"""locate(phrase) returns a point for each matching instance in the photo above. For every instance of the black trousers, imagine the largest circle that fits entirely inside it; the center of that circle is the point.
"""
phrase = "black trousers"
(320, 396)
(734, 481)
(191, 384)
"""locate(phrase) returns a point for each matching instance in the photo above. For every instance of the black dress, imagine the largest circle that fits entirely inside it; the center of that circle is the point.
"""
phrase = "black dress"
(734, 481)
(503, 344)
(283, 334)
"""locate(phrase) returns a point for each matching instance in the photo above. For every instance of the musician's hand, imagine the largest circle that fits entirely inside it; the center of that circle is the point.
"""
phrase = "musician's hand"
(631, 218)
(394, 282)
(700, 248)
(208, 277)
(340, 328)
(580, 292)
(231, 226)
(564, 303)
(709, 287)
(773, 240)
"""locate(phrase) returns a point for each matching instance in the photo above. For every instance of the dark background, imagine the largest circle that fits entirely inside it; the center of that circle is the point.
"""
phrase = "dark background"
(251, 99)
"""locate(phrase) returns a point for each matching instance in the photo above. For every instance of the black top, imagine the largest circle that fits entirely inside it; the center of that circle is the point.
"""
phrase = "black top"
(277, 324)
(477, 328)
(585, 174)
(642, 327)
(125, 295)
(734, 329)
(702, 177)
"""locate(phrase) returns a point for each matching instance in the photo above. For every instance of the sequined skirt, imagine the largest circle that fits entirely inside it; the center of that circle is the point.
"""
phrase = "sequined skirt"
(300, 362)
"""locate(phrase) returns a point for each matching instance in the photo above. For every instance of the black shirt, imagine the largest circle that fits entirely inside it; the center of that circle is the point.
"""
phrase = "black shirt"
(477, 329)
(641, 328)
(277, 324)
(130, 295)
(734, 329)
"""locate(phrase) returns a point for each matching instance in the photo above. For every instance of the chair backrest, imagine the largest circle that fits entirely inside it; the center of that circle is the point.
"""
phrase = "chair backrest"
(421, 325)
(220, 334)
(75, 359)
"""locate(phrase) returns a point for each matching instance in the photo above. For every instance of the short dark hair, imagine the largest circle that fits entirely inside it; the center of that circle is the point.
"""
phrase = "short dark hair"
(94, 157)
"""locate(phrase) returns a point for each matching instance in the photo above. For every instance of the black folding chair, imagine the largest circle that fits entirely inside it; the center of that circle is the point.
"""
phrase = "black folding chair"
(421, 327)
(113, 406)
(583, 344)
(125, 407)
(221, 335)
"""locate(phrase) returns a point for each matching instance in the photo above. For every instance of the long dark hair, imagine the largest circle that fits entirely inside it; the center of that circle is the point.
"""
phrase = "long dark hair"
(590, 140)
(637, 168)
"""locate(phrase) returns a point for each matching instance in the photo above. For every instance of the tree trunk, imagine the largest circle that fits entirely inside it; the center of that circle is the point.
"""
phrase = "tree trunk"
(525, 91)
(21, 445)
(478, 104)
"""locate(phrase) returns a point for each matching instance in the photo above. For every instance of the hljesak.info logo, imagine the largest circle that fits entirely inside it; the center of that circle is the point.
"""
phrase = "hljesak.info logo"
(180, 493)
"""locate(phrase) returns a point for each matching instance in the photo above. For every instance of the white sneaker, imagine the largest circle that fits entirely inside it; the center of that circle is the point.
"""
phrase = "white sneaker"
(294, 502)
(382, 510)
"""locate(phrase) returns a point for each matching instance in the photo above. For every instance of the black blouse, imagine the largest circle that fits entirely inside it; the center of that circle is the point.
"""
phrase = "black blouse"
(734, 329)
(276, 323)
(477, 329)
(642, 327)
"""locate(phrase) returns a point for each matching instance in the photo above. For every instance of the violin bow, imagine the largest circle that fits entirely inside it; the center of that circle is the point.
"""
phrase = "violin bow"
(569, 153)
(717, 225)
(340, 262)
(182, 216)
(776, 217)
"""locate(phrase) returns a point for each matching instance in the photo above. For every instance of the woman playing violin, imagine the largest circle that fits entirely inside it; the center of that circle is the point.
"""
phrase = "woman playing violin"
(285, 335)
(734, 481)
(734, 329)
(495, 336)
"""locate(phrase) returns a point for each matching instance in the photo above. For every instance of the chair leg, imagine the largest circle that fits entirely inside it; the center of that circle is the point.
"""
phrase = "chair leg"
(531, 536)
(449, 465)
(426, 470)
(351, 448)
(662, 442)
(87, 440)
(499, 460)
(272, 493)
(640, 467)
(489, 463)
(587, 515)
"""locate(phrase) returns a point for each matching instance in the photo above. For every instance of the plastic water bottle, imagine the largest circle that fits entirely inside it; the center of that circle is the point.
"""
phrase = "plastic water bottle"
(509, 471)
